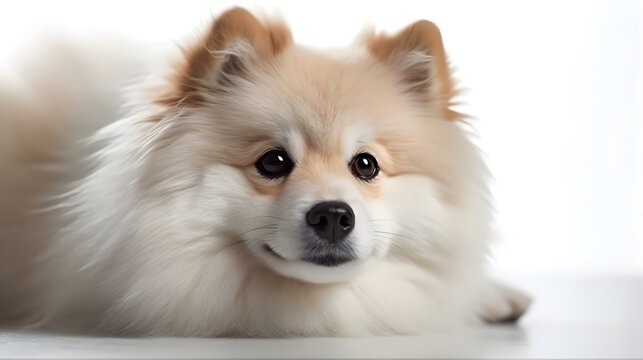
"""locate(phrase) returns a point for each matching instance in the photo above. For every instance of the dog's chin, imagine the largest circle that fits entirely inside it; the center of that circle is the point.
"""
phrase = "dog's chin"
(317, 270)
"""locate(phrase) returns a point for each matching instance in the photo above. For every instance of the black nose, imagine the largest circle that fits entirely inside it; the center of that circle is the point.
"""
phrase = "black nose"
(331, 220)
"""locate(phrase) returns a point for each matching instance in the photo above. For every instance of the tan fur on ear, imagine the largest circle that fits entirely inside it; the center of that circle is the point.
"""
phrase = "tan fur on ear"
(421, 36)
(266, 38)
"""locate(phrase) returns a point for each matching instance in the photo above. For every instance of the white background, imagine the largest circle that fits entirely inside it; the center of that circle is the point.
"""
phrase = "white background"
(556, 88)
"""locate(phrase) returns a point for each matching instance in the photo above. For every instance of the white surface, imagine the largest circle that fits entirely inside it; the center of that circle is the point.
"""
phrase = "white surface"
(591, 316)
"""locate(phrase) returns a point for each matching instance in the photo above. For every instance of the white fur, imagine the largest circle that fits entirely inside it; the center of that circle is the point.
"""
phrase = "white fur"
(153, 231)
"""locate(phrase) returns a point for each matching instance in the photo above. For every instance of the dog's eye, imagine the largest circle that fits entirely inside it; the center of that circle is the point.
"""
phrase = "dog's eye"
(274, 164)
(364, 166)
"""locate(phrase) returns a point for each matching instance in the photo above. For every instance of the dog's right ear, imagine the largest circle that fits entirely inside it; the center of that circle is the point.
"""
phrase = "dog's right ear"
(234, 41)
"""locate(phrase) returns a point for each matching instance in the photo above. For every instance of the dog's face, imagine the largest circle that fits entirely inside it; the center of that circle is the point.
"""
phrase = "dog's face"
(304, 133)
(316, 164)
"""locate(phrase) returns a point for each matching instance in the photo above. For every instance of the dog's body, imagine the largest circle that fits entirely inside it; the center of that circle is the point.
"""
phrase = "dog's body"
(265, 189)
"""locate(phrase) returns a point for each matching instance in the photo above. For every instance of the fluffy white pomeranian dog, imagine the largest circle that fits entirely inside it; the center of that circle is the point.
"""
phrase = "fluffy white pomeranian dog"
(248, 187)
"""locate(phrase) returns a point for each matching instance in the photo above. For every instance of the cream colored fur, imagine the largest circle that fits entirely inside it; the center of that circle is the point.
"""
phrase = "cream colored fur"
(123, 215)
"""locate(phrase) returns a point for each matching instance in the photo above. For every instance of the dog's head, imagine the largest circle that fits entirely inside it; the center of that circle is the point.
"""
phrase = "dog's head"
(318, 163)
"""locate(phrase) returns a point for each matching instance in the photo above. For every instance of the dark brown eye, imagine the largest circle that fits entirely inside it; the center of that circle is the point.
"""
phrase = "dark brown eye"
(364, 166)
(274, 164)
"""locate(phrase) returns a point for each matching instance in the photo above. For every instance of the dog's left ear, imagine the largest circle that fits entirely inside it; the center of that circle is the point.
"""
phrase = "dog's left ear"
(235, 40)
(417, 53)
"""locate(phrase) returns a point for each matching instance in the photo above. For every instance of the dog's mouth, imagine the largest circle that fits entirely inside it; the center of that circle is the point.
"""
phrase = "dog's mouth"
(327, 260)
(272, 252)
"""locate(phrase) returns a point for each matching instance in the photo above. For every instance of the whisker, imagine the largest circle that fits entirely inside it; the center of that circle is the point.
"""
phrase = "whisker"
(264, 227)
(242, 241)
(267, 217)
(401, 235)
(238, 236)
(409, 228)
(263, 235)
(227, 246)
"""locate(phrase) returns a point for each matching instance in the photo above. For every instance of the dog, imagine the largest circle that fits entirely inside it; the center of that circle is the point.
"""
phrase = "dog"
(246, 186)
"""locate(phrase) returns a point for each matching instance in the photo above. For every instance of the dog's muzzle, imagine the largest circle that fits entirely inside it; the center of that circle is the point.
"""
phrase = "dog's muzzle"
(328, 244)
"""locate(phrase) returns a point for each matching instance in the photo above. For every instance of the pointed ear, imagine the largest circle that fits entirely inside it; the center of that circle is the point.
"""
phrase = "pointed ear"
(235, 40)
(418, 55)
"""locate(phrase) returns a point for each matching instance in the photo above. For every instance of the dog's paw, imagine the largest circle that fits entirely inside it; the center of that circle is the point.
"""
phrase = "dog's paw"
(502, 304)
